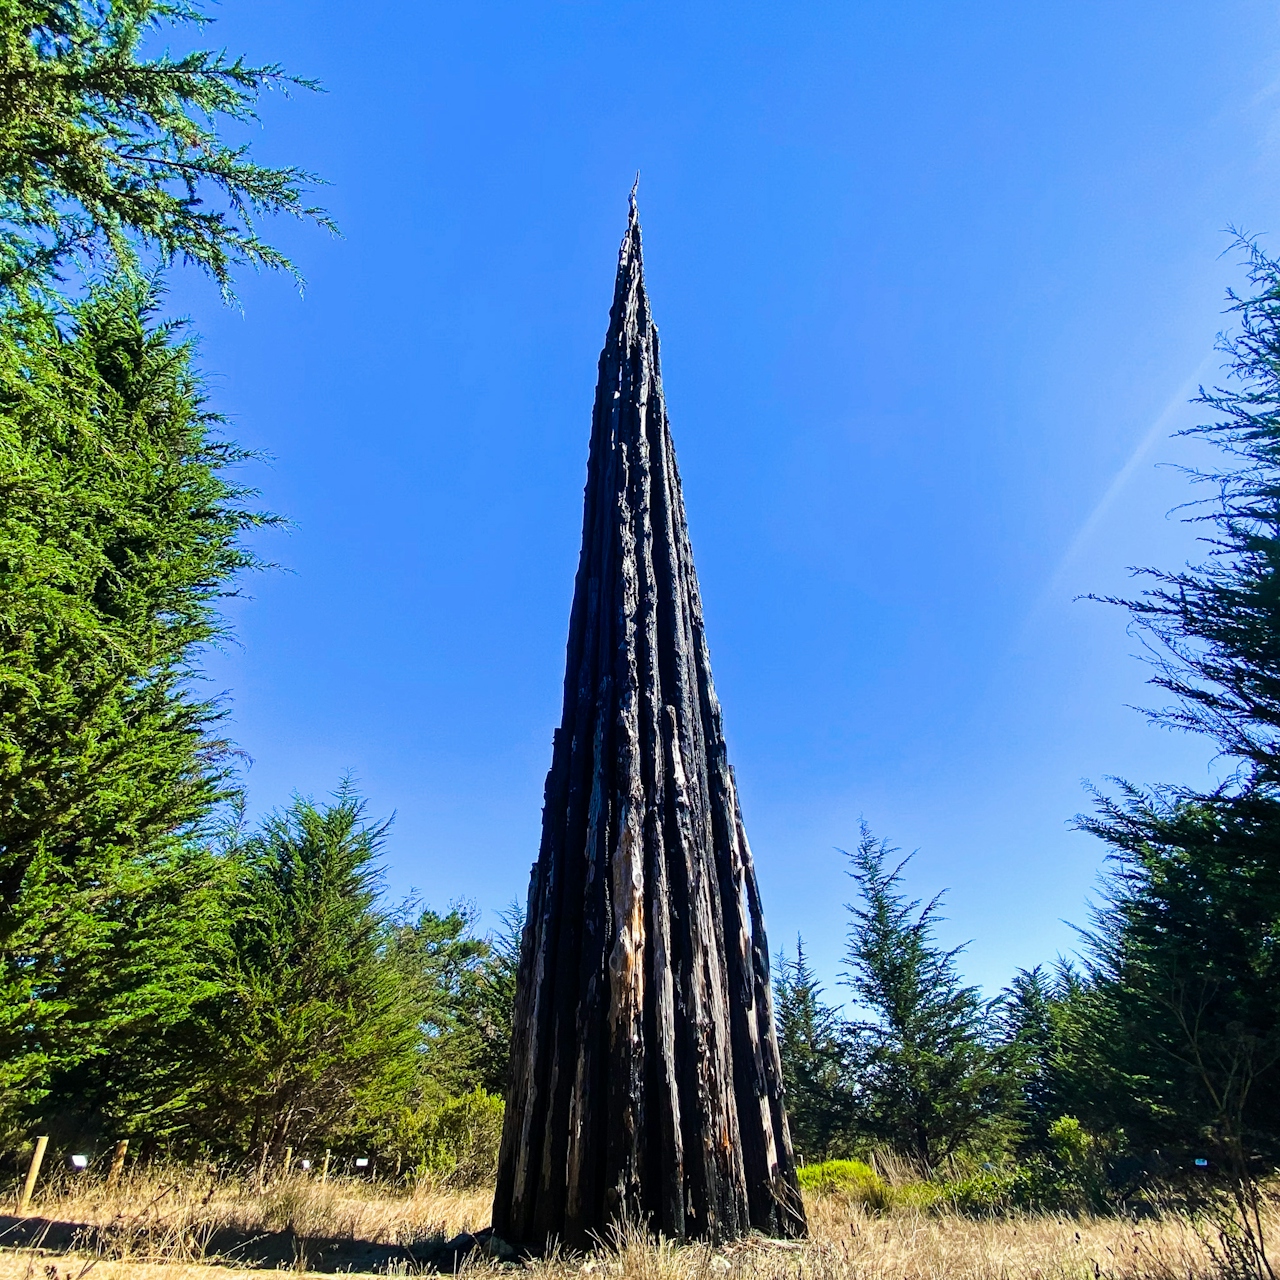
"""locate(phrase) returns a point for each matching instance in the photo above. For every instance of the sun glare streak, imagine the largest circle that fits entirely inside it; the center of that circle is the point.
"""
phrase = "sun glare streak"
(1161, 427)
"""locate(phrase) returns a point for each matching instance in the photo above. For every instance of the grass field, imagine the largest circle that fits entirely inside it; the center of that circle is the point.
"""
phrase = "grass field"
(180, 1227)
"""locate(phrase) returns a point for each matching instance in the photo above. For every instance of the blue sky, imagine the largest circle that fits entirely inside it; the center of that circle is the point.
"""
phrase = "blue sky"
(934, 282)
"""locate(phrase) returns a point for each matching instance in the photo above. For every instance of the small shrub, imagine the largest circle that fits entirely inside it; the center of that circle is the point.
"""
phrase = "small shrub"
(853, 1179)
(1069, 1177)
(461, 1139)
(917, 1194)
(980, 1194)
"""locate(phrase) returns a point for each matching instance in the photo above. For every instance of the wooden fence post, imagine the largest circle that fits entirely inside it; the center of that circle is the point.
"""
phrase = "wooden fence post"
(288, 1160)
(324, 1176)
(33, 1172)
(117, 1162)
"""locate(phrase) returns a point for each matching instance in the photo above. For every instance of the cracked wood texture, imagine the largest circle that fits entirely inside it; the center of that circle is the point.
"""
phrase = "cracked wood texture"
(645, 1079)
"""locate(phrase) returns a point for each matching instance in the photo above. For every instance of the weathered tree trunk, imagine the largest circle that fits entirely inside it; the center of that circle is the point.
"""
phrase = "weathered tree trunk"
(645, 1078)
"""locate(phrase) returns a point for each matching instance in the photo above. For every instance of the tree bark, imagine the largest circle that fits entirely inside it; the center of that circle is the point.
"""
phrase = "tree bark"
(645, 1079)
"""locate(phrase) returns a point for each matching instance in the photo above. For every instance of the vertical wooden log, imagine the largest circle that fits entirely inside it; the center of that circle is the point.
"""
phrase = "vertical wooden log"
(324, 1172)
(644, 1081)
(117, 1163)
(288, 1160)
(33, 1172)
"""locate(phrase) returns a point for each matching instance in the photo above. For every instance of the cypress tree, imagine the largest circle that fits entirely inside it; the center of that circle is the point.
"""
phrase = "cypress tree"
(119, 531)
(1183, 972)
(445, 965)
(812, 1045)
(1214, 627)
(1043, 1019)
(1183, 1032)
(928, 1079)
(104, 151)
(315, 1030)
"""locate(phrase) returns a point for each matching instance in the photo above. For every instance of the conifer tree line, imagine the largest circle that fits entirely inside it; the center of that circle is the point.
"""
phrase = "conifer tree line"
(1152, 1057)
(168, 973)
(218, 989)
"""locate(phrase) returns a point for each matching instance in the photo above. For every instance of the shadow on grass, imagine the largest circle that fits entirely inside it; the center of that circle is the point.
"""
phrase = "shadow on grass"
(266, 1250)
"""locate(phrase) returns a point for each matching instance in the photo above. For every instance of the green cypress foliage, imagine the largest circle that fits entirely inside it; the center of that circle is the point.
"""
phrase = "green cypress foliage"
(443, 963)
(1041, 1017)
(119, 531)
(495, 1007)
(1184, 1007)
(480, 996)
(1216, 625)
(1183, 1036)
(315, 1031)
(928, 1078)
(462, 986)
(811, 1042)
(102, 149)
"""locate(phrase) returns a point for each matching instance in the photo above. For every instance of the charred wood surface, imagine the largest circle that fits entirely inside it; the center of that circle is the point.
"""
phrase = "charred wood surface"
(645, 1077)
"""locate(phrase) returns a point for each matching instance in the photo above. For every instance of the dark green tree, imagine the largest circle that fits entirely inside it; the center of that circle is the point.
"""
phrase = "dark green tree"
(443, 961)
(129, 1068)
(1039, 1017)
(1185, 1000)
(811, 1041)
(1214, 627)
(1182, 946)
(462, 987)
(495, 1001)
(119, 532)
(315, 1030)
(1203, 866)
(929, 1079)
(106, 151)
(465, 991)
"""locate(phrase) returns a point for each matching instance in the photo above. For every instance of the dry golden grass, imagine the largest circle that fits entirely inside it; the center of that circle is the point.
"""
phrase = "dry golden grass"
(158, 1228)
(178, 1218)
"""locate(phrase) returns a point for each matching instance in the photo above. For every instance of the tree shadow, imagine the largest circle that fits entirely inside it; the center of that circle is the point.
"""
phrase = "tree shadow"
(253, 1250)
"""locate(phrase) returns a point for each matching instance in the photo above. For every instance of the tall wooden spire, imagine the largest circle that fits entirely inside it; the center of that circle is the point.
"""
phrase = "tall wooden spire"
(645, 1077)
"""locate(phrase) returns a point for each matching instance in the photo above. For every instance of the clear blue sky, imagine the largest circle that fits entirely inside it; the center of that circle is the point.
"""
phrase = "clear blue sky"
(932, 280)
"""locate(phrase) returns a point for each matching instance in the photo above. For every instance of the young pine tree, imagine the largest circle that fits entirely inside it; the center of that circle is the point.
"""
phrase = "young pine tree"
(811, 1041)
(1040, 1017)
(316, 1030)
(929, 1078)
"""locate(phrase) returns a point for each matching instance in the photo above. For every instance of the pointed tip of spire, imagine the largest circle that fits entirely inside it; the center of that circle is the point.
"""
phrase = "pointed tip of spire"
(629, 253)
(630, 262)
